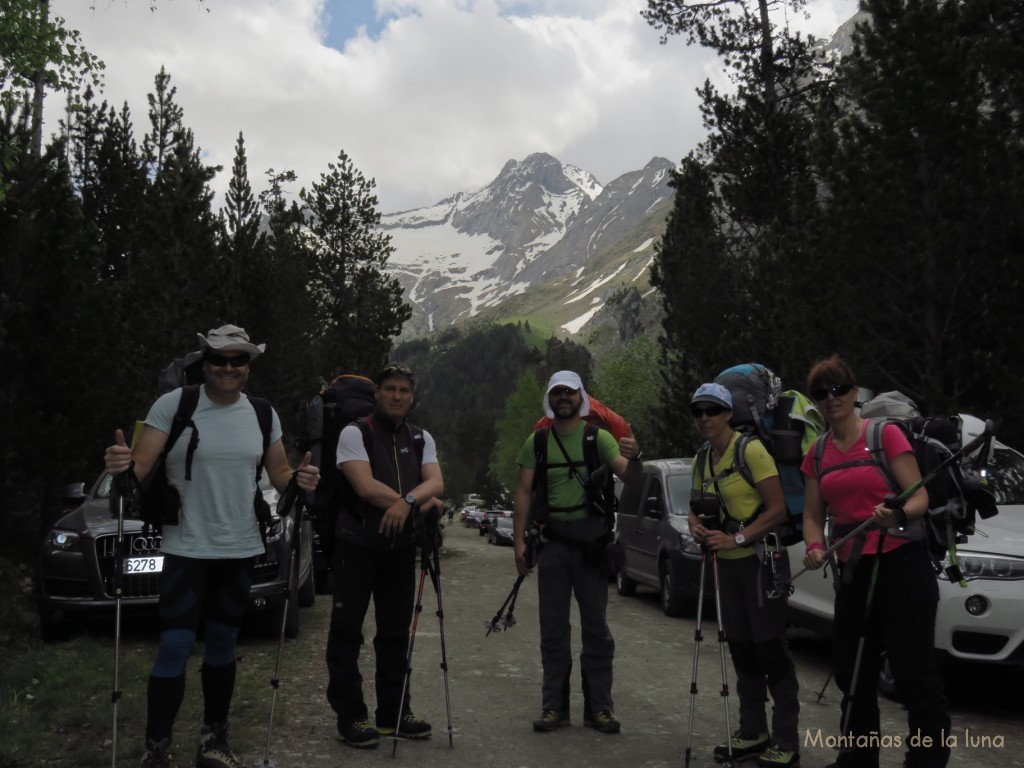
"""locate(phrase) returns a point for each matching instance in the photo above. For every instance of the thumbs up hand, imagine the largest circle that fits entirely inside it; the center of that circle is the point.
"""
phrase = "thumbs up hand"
(118, 457)
(307, 476)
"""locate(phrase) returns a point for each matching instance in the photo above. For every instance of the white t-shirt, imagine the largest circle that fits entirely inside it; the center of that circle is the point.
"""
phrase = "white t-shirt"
(217, 518)
(351, 448)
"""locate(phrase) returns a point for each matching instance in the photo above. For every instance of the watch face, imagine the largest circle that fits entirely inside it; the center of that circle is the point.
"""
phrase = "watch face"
(740, 538)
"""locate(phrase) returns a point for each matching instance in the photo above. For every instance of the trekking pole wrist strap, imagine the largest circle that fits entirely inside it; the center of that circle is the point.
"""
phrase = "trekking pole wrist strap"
(815, 546)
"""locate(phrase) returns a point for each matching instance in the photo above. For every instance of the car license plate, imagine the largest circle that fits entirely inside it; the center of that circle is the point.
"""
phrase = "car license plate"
(153, 564)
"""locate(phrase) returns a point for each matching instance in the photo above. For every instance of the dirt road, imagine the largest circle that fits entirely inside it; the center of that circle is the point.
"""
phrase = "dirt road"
(494, 686)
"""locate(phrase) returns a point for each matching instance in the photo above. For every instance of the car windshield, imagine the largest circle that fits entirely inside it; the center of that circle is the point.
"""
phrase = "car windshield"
(504, 522)
(1005, 475)
(679, 493)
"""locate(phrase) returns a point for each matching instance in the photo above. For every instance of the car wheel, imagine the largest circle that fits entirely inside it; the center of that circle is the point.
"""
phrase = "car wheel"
(307, 590)
(886, 682)
(624, 585)
(672, 603)
(53, 627)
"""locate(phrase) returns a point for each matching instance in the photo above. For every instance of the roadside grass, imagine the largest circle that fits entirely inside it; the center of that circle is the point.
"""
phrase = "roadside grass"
(55, 698)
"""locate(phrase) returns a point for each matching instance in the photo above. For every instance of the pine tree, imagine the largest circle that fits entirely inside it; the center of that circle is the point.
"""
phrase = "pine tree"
(923, 168)
(359, 305)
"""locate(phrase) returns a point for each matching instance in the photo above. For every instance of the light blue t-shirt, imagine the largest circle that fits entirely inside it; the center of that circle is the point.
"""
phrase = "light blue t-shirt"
(217, 518)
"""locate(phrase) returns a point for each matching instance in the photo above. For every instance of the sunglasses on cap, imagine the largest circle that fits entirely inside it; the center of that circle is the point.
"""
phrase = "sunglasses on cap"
(235, 361)
(562, 392)
(837, 391)
(709, 410)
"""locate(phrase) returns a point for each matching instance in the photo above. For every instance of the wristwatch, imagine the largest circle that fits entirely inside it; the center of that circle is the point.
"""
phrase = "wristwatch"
(410, 500)
(740, 539)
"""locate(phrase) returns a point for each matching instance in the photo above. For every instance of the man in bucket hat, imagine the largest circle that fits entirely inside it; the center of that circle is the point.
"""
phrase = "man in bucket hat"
(554, 492)
(208, 550)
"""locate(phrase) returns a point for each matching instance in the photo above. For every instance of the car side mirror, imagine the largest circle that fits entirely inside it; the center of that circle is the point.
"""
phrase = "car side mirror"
(74, 493)
(652, 509)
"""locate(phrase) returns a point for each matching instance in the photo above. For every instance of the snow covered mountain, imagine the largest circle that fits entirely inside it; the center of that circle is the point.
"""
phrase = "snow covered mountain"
(537, 239)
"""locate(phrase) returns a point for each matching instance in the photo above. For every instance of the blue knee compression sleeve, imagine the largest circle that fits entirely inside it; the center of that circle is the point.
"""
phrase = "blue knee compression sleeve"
(172, 656)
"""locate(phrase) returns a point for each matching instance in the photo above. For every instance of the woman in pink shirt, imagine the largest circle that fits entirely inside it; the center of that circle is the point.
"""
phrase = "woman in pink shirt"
(887, 593)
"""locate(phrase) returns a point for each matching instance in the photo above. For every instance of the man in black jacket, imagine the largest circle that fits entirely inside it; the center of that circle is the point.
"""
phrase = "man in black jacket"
(392, 470)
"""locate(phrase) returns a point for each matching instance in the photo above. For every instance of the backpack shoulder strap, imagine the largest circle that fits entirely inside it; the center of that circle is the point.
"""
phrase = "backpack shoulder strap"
(591, 457)
(540, 451)
(265, 416)
(740, 457)
(819, 451)
(183, 418)
(877, 451)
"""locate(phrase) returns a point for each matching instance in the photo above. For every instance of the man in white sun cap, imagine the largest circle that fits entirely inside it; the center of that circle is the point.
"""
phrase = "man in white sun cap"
(560, 491)
(210, 541)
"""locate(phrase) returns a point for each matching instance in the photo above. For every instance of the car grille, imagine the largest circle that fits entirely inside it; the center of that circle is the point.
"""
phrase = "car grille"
(135, 545)
(265, 569)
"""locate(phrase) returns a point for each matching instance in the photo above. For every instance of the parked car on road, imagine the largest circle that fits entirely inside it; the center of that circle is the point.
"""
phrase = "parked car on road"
(983, 622)
(75, 565)
(500, 531)
(653, 536)
(473, 517)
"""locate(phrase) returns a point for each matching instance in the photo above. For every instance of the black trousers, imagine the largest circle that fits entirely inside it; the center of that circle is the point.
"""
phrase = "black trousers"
(389, 577)
(902, 625)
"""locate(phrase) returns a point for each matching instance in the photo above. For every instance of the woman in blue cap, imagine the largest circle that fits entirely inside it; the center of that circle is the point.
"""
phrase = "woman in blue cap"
(733, 516)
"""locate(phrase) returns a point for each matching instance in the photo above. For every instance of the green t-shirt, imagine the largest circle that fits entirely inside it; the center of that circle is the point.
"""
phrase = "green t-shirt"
(738, 496)
(564, 490)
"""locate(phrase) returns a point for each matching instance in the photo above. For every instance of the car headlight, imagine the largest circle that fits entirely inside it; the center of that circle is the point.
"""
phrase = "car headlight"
(64, 540)
(276, 529)
(992, 567)
(688, 545)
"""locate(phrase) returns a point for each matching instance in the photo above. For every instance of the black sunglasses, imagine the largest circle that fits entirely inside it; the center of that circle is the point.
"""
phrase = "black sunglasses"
(563, 392)
(711, 410)
(837, 391)
(236, 361)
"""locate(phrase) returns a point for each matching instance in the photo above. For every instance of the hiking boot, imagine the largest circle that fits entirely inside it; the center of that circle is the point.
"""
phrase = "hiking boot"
(777, 757)
(157, 755)
(359, 734)
(214, 751)
(410, 727)
(550, 720)
(603, 722)
(743, 745)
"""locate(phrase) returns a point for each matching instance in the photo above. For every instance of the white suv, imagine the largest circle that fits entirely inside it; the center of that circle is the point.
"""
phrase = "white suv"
(982, 622)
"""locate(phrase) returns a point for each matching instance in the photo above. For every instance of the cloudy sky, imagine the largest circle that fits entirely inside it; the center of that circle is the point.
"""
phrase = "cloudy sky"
(428, 97)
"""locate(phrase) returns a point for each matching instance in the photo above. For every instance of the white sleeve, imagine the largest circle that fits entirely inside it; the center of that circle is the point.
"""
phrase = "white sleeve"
(350, 445)
(429, 449)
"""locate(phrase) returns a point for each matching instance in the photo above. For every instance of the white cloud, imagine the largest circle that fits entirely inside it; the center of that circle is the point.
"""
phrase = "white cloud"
(434, 102)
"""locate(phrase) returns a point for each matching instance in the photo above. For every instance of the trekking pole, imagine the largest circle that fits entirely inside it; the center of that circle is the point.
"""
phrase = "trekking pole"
(435, 577)
(821, 693)
(721, 655)
(896, 501)
(424, 568)
(287, 502)
(850, 698)
(493, 624)
(697, 638)
(507, 621)
(123, 489)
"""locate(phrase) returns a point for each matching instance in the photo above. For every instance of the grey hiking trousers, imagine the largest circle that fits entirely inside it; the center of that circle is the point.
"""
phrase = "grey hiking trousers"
(561, 573)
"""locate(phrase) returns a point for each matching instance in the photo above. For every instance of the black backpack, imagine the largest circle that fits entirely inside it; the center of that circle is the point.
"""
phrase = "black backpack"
(159, 503)
(334, 407)
(955, 497)
(600, 486)
(785, 421)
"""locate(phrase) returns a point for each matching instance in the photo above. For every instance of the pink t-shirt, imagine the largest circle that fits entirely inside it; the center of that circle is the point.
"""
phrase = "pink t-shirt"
(853, 493)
